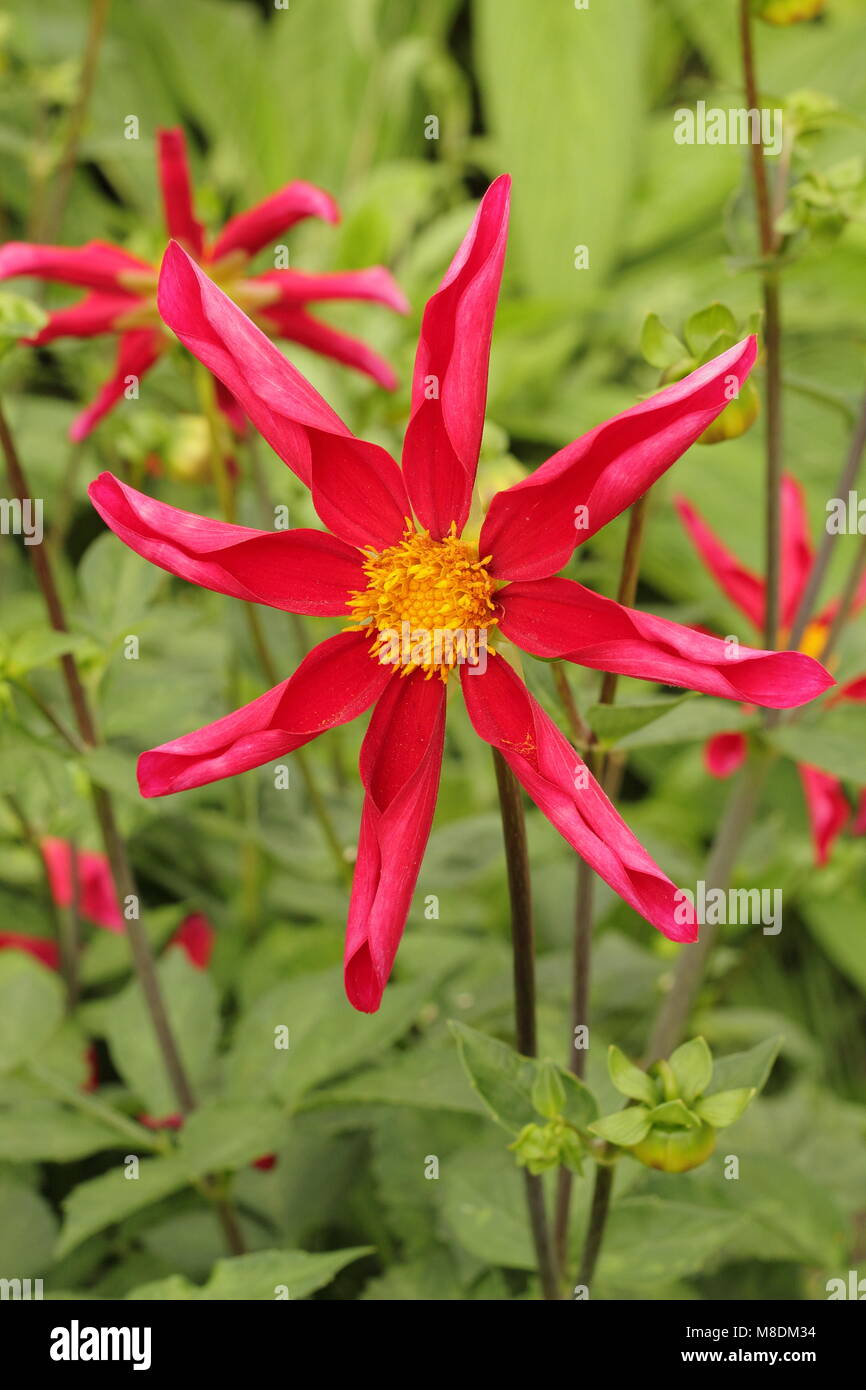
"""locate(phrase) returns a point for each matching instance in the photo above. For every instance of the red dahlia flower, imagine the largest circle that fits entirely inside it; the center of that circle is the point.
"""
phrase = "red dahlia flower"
(388, 574)
(122, 287)
(826, 802)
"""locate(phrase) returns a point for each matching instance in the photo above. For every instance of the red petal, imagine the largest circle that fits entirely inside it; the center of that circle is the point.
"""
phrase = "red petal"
(295, 287)
(559, 618)
(195, 937)
(300, 327)
(854, 690)
(725, 753)
(533, 527)
(136, 353)
(745, 589)
(400, 763)
(440, 450)
(283, 406)
(505, 715)
(829, 811)
(251, 230)
(97, 896)
(334, 683)
(97, 313)
(97, 265)
(797, 554)
(38, 946)
(303, 571)
(176, 188)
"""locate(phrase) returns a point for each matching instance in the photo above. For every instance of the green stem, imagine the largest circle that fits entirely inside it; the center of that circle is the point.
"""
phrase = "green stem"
(77, 116)
(773, 341)
(523, 955)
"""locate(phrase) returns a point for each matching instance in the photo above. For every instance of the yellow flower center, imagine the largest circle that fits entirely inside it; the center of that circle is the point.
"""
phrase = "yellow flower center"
(428, 604)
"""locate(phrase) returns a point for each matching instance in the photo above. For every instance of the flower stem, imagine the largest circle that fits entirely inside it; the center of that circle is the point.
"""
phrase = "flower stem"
(77, 116)
(773, 341)
(523, 947)
(102, 802)
(673, 1014)
(607, 771)
(847, 479)
(598, 1213)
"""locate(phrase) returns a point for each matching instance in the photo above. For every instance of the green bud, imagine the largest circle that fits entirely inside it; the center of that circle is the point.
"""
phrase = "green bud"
(675, 1150)
(785, 12)
(628, 1079)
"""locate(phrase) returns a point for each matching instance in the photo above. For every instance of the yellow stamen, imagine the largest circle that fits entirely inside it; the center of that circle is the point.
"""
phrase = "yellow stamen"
(428, 604)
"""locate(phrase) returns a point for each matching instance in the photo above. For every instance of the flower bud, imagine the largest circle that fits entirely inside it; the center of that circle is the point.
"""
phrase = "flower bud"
(675, 1150)
(784, 12)
(735, 419)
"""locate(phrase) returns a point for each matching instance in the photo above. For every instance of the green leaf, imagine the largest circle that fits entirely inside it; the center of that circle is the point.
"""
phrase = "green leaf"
(326, 1036)
(39, 646)
(624, 1127)
(658, 344)
(610, 723)
(674, 1114)
(28, 1229)
(748, 1070)
(835, 745)
(723, 1108)
(580, 1107)
(265, 1275)
(706, 325)
(652, 1241)
(31, 1007)
(692, 1065)
(548, 1092)
(113, 1196)
(193, 1010)
(502, 1078)
(583, 57)
(690, 718)
(484, 1206)
(19, 318)
(225, 1135)
(47, 1132)
(628, 1079)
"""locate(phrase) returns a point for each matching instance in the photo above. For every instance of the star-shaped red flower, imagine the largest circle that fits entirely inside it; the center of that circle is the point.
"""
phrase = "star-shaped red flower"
(394, 551)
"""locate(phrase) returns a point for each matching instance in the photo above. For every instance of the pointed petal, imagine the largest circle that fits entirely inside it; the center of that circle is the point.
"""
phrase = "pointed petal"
(283, 406)
(96, 313)
(533, 527)
(302, 571)
(724, 754)
(400, 763)
(98, 265)
(449, 388)
(854, 690)
(829, 811)
(559, 618)
(334, 683)
(97, 899)
(176, 185)
(797, 554)
(300, 327)
(745, 589)
(262, 224)
(505, 715)
(294, 287)
(136, 353)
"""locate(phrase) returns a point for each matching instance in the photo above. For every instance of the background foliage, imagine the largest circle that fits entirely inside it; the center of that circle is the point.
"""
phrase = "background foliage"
(578, 107)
